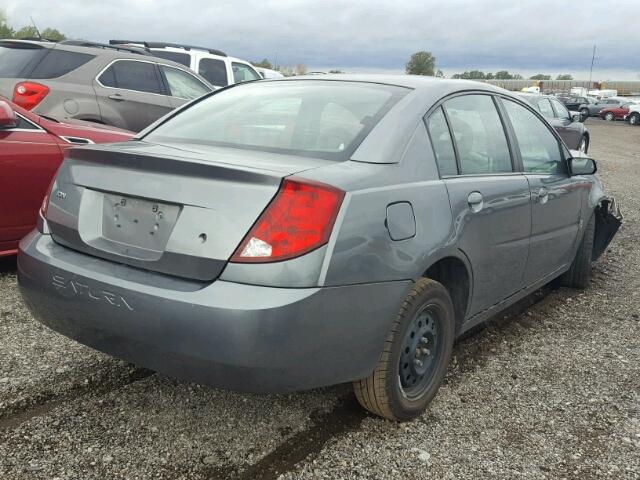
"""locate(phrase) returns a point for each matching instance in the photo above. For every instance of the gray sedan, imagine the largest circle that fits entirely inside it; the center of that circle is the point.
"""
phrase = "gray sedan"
(289, 234)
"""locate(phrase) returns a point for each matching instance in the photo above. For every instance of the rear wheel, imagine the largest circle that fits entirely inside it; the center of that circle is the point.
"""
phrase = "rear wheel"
(609, 116)
(634, 119)
(579, 275)
(415, 357)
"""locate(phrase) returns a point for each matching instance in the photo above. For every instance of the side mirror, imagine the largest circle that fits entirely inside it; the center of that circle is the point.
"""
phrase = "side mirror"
(8, 117)
(582, 166)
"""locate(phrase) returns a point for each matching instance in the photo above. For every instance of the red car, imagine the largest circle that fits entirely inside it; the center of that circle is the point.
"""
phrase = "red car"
(615, 113)
(31, 149)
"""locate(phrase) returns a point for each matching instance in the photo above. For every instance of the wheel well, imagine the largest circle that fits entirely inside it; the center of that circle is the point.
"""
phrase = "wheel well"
(452, 273)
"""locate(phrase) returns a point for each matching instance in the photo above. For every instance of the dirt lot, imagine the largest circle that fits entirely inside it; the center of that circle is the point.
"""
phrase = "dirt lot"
(549, 390)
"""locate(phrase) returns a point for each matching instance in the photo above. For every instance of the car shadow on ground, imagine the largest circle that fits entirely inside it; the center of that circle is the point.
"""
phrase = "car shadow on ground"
(8, 264)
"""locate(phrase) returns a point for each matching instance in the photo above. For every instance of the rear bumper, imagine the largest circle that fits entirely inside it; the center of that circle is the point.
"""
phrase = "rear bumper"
(230, 335)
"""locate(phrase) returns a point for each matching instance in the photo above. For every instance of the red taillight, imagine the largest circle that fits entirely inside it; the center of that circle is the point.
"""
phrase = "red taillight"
(299, 219)
(29, 94)
(45, 200)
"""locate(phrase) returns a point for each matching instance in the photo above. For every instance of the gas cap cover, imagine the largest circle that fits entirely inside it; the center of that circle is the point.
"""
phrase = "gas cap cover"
(401, 222)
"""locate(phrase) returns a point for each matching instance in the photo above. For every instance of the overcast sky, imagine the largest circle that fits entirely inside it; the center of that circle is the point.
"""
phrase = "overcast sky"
(546, 36)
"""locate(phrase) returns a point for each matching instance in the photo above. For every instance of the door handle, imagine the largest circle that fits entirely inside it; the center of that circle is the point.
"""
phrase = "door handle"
(117, 97)
(476, 201)
(543, 195)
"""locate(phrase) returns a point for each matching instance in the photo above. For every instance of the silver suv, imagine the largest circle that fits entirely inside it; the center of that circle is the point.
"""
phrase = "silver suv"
(124, 87)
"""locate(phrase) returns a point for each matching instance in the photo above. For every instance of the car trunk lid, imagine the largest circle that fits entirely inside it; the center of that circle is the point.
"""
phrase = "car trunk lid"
(176, 210)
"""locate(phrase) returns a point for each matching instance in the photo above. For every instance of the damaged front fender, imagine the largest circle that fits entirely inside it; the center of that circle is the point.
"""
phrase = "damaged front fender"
(608, 221)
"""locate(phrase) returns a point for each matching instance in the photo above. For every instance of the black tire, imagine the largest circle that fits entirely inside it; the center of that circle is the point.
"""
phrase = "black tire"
(634, 119)
(609, 117)
(584, 139)
(585, 113)
(579, 274)
(383, 393)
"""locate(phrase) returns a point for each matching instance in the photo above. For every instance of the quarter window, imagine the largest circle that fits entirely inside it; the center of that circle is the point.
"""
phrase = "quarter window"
(478, 134)
(243, 73)
(59, 62)
(442, 144)
(183, 85)
(215, 71)
(539, 148)
(132, 75)
(544, 106)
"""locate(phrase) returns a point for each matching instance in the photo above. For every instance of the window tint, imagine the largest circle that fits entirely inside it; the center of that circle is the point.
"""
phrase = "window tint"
(442, 144)
(561, 110)
(215, 71)
(479, 135)
(243, 73)
(183, 85)
(132, 75)
(314, 118)
(60, 62)
(181, 58)
(544, 106)
(539, 148)
(18, 60)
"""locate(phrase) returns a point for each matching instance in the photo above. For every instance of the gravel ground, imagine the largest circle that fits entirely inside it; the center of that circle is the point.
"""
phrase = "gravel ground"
(549, 390)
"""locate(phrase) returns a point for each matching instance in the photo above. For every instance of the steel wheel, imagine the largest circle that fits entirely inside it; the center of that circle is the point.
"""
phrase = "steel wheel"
(421, 348)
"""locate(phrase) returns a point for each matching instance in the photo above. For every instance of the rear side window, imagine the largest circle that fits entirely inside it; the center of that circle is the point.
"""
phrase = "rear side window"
(17, 60)
(183, 85)
(59, 62)
(442, 144)
(132, 75)
(215, 71)
(539, 148)
(243, 73)
(545, 108)
(479, 135)
(181, 58)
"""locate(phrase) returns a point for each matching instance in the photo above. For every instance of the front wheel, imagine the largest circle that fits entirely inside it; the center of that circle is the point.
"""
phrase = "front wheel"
(579, 274)
(415, 356)
(584, 144)
(585, 113)
(634, 119)
(609, 117)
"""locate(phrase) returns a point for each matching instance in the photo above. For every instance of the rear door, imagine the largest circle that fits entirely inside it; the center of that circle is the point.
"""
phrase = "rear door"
(556, 198)
(131, 94)
(29, 157)
(489, 197)
(214, 71)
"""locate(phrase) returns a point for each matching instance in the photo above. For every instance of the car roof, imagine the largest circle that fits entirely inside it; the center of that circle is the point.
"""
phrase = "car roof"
(108, 53)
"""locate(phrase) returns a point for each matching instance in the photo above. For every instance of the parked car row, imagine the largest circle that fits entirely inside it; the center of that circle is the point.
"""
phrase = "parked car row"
(614, 108)
(366, 221)
(125, 84)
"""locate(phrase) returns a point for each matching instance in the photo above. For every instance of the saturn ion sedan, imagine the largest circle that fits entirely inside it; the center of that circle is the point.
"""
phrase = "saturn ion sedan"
(288, 234)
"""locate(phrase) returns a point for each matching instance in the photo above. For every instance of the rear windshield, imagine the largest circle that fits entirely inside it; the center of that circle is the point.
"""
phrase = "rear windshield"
(18, 59)
(324, 119)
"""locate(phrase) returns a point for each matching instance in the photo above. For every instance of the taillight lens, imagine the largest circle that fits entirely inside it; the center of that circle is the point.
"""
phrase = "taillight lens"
(298, 220)
(45, 200)
(29, 94)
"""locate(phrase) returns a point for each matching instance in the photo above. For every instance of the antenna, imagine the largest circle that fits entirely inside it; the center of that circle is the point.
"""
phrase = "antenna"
(593, 58)
(36, 27)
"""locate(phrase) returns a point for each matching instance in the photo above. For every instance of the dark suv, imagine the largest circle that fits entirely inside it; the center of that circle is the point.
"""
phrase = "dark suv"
(124, 87)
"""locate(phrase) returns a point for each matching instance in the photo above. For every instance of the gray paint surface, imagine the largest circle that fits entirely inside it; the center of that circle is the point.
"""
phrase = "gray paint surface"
(268, 324)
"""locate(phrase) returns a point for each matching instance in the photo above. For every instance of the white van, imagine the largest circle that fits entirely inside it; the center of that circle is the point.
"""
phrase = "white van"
(215, 66)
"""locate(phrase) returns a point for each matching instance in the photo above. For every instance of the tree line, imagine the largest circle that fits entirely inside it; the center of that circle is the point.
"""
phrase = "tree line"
(424, 63)
(28, 31)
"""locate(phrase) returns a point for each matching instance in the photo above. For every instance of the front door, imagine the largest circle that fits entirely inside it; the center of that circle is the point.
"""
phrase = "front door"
(490, 202)
(556, 198)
